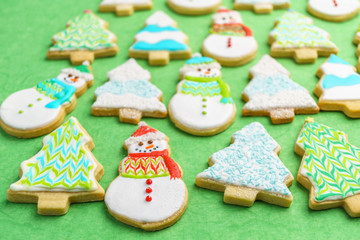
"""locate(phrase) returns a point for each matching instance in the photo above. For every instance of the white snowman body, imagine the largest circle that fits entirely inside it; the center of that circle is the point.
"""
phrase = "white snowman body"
(335, 7)
(145, 199)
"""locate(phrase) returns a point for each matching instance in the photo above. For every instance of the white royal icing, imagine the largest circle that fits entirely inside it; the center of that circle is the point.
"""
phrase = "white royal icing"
(274, 2)
(267, 66)
(196, 3)
(335, 7)
(340, 70)
(130, 70)
(161, 19)
(154, 37)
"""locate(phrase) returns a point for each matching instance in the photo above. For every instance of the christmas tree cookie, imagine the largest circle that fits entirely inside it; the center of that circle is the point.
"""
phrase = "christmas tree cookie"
(248, 170)
(334, 10)
(202, 105)
(149, 192)
(85, 38)
(330, 168)
(63, 172)
(194, 7)
(129, 95)
(160, 41)
(39, 110)
(261, 6)
(272, 93)
(295, 36)
(124, 7)
(230, 42)
(339, 87)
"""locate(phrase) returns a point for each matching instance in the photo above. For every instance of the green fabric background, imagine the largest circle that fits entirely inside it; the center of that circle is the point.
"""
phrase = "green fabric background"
(25, 33)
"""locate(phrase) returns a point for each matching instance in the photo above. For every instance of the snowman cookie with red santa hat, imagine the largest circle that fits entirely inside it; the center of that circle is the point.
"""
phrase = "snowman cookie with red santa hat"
(149, 192)
(230, 42)
(39, 110)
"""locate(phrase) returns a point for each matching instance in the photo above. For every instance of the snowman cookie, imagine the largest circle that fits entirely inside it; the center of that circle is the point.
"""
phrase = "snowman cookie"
(202, 105)
(261, 6)
(149, 192)
(230, 42)
(334, 10)
(39, 110)
(124, 7)
(194, 7)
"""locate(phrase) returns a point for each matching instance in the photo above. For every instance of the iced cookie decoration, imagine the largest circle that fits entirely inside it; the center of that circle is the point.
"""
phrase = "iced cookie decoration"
(296, 37)
(129, 95)
(261, 6)
(248, 170)
(39, 110)
(329, 169)
(84, 38)
(160, 41)
(334, 10)
(339, 87)
(194, 7)
(63, 172)
(202, 104)
(124, 7)
(149, 192)
(272, 93)
(230, 42)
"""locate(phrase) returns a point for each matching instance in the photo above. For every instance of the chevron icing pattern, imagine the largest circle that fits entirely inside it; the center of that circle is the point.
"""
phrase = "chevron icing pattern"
(49, 88)
(62, 163)
(205, 89)
(331, 163)
(296, 30)
(144, 167)
(83, 32)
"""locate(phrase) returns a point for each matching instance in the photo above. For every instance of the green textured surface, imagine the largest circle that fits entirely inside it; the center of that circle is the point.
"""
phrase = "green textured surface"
(25, 33)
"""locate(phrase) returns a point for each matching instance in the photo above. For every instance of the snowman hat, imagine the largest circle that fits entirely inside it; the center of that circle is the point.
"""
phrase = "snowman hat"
(223, 11)
(198, 61)
(82, 71)
(144, 133)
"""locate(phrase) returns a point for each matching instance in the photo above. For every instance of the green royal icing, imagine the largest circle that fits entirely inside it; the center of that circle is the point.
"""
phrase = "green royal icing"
(331, 163)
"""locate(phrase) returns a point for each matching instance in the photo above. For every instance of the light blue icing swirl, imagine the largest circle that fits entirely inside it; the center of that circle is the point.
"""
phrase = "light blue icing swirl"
(165, 45)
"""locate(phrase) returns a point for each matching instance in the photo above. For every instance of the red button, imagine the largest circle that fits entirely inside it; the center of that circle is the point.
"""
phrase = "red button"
(148, 198)
(149, 181)
(148, 190)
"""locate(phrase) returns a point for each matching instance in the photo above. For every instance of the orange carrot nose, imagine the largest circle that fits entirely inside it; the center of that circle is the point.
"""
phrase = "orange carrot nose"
(150, 146)
(207, 72)
(74, 79)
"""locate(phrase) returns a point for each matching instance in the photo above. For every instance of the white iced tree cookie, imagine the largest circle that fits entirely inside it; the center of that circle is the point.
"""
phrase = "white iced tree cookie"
(248, 170)
(339, 87)
(295, 36)
(194, 7)
(230, 42)
(39, 110)
(272, 93)
(261, 6)
(149, 192)
(124, 7)
(202, 105)
(129, 95)
(334, 10)
(160, 40)
(63, 172)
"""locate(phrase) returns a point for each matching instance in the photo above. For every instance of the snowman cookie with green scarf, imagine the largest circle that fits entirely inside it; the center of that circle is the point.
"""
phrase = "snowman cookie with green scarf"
(202, 105)
(39, 110)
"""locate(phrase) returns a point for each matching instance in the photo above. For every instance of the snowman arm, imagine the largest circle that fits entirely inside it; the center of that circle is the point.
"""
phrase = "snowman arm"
(173, 168)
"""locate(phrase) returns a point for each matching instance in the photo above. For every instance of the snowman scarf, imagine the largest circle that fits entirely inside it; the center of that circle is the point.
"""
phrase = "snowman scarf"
(224, 90)
(231, 29)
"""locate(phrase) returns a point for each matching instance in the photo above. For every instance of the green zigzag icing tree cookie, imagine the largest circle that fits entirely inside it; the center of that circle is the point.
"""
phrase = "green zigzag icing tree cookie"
(85, 38)
(330, 168)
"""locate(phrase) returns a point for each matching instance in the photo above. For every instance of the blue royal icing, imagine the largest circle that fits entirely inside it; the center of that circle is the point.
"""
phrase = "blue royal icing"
(156, 28)
(199, 60)
(335, 59)
(331, 81)
(169, 45)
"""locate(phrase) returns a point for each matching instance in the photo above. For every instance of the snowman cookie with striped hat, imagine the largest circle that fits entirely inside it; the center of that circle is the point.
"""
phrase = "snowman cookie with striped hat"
(149, 192)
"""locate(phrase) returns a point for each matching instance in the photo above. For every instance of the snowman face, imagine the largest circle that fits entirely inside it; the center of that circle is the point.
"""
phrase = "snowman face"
(204, 72)
(72, 79)
(148, 146)
(227, 18)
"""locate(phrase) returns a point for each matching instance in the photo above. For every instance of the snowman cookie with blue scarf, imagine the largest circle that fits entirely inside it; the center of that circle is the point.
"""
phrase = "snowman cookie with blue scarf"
(39, 110)
(202, 105)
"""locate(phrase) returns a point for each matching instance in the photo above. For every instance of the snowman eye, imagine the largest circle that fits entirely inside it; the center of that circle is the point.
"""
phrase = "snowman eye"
(224, 18)
(199, 69)
(76, 77)
(209, 69)
(70, 75)
(150, 142)
(141, 143)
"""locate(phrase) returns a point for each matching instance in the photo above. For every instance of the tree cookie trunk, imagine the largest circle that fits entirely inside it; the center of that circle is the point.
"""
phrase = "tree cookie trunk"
(159, 58)
(261, 8)
(352, 205)
(78, 57)
(283, 115)
(52, 203)
(129, 115)
(240, 196)
(306, 55)
(124, 10)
